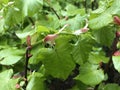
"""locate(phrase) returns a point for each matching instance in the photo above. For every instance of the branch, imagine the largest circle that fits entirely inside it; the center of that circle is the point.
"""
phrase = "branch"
(28, 55)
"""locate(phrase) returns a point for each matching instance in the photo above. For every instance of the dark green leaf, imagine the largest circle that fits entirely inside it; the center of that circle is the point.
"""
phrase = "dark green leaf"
(58, 61)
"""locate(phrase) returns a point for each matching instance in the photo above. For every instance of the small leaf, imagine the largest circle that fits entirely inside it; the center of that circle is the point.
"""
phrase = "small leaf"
(96, 57)
(90, 74)
(116, 62)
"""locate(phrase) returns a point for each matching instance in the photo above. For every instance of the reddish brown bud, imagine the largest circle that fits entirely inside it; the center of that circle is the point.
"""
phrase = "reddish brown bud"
(84, 30)
(117, 20)
(28, 40)
(30, 55)
(50, 37)
(117, 53)
(17, 86)
(118, 34)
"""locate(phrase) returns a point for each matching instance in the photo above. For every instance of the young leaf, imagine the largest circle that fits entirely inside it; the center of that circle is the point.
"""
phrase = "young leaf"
(116, 62)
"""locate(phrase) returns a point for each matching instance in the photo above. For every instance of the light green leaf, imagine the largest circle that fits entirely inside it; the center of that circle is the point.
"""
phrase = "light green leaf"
(101, 21)
(75, 23)
(29, 30)
(90, 74)
(36, 82)
(110, 87)
(116, 62)
(106, 17)
(6, 74)
(30, 7)
(95, 57)
(5, 82)
(9, 56)
(13, 15)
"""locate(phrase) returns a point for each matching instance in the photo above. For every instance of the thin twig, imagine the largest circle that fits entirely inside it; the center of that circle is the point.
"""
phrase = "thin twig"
(26, 66)
(55, 13)
(53, 9)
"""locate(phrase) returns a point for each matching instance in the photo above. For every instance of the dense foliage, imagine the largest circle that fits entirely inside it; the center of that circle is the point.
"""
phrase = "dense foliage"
(59, 45)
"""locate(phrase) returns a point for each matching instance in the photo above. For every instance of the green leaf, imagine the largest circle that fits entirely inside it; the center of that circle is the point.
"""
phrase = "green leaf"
(115, 8)
(36, 82)
(101, 21)
(29, 30)
(116, 62)
(5, 82)
(30, 7)
(10, 85)
(9, 56)
(90, 74)
(106, 17)
(12, 16)
(95, 57)
(75, 23)
(79, 86)
(58, 61)
(105, 36)
(110, 87)
(6, 74)
(82, 48)
(72, 10)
